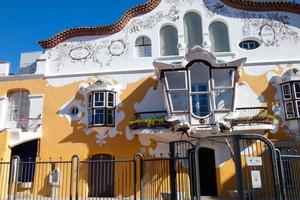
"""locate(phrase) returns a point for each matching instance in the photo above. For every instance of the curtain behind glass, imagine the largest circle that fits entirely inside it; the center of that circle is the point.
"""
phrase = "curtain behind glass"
(168, 41)
(219, 37)
(192, 30)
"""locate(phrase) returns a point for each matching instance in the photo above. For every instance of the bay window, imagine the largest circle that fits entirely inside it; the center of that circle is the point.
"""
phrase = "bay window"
(200, 89)
(101, 108)
(291, 99)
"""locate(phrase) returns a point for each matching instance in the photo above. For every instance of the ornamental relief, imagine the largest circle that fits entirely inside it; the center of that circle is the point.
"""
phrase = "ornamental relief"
(99, 52)
(271, 27)
(151, 21)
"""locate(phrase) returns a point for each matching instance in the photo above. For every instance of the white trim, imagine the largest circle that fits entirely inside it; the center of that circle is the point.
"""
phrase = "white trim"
(213, 79)
(295, 92)
(290, 91)
(297, 110)
(36, 95)
(179, 71)
(94, 116)
(106, 99)
(285, 103)
(94, 98)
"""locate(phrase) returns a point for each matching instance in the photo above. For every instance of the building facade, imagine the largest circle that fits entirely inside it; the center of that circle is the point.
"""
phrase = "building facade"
(169, 70)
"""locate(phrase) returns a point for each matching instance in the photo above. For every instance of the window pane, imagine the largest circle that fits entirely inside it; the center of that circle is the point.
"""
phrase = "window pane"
(18, 106)
(297, 90)
(286, 90)
(90, 101)
(110, 117)
(219, 37)
(178, 100)
(199, 73)
(200, 104)
(289, 110)
(143, 47)
(99, 99)
(199, 88)
(192, 30)
(99, 116)
(223, 77)
(223, 99)
(175, 80)
(168, 41)
(298, 107)
(90, 117)
(111, 99)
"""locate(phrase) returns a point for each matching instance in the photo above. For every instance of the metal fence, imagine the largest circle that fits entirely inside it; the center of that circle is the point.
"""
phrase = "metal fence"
(176, 176)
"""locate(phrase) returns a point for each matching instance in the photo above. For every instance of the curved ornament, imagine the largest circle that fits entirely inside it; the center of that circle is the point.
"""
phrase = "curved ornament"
(267, 35)
(116, 48)
(79, 53)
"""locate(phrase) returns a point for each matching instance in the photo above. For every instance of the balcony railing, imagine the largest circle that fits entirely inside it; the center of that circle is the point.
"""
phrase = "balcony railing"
(152, 119)
(26, 124)
(252, 115)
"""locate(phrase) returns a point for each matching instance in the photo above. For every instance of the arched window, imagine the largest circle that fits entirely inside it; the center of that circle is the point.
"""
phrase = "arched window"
(192, 30)
(168, 41)
(143, 47)
(18, 109)
(218, 33)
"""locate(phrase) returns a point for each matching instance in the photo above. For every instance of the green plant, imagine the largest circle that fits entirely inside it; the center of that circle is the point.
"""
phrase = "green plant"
(149, 123)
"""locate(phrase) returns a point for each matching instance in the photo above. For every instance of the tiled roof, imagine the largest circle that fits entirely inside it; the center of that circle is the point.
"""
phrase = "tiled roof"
(150, 5)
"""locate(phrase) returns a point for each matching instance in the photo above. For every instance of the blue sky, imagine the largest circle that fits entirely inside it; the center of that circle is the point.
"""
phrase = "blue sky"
(24, 22)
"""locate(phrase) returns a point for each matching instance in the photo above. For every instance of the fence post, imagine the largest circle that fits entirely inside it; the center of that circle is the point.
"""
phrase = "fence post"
(136, 156)
(74, 159)
(281, 173)
(238, 167)
(172, 168)
(13, 178)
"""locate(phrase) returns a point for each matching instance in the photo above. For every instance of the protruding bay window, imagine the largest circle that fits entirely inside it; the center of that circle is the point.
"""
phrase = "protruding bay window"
(101, 108)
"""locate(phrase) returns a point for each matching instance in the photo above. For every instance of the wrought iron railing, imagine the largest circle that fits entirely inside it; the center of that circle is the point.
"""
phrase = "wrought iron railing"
(150, 114)
(249, 115)
(29, 124)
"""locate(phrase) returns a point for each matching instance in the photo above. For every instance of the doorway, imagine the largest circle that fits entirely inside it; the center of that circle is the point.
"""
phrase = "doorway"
(207, 170)
(101, 176)
(27, 153)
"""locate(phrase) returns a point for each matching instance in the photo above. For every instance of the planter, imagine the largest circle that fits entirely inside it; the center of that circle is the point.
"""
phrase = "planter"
(152, 125)
(252, 121)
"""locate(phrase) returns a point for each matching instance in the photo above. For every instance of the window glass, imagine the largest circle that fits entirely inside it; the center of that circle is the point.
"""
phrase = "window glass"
(249, 44)
(99, 116)
(168, 41)
(199, 73)
(178, 100)
(200, 104)
(199, 88)
(110, 117)
(219, 37)
(298, 108)
(98, 99)
(286, 90)
(90, 117)
(175, 80)
(110, 99)
(289, 108)
(222, 77)
(297, 90)
(90, 100)
(192, 30)
(18, 106)
(143, 47)
(223, 99)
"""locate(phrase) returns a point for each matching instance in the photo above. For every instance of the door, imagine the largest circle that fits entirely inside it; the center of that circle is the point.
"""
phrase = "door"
(101, 176)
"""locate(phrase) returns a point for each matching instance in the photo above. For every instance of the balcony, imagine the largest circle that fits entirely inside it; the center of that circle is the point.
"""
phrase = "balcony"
(23, 130)
(250, 119)
(149, 120)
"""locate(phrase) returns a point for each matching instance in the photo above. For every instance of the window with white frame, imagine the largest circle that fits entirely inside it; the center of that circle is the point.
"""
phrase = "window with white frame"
(291, 99)
(18, 109)
(101, 108)
(168, 41)
(143, 47)
(200, 89)
(219, 38)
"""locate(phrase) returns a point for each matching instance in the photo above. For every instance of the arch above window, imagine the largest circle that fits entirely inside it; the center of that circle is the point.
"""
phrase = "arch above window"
(168, 41)
(218, 34)
(192, 29)
(143, 47)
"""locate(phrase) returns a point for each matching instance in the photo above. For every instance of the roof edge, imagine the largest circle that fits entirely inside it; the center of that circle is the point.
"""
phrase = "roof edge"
(292, 7)
(100, 30)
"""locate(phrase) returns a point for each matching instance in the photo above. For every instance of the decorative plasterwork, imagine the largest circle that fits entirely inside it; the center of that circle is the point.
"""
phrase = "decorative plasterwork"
(100, 52)
(213, 7)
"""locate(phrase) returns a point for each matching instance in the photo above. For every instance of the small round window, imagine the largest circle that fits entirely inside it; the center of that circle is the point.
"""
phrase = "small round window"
(74, 111)
(249, 44)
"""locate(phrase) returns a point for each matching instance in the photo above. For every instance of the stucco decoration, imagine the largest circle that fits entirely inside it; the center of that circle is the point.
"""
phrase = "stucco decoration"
(152, 20)
(98, 51)
(271, 27)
